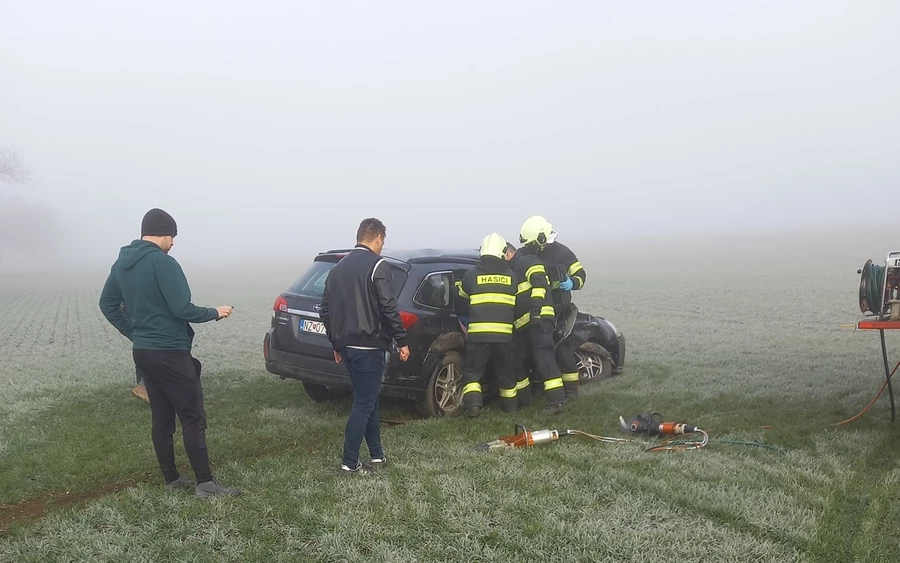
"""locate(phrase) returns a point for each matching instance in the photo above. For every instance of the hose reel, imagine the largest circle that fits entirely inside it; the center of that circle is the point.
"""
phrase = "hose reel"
(879, 288)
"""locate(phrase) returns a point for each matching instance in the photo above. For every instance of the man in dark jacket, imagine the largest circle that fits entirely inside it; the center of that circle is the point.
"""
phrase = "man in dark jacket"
(359, 310)
(159, 313)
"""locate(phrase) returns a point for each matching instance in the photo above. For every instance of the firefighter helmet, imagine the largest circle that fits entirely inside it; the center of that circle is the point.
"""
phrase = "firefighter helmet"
(537, 230)
(493, 245)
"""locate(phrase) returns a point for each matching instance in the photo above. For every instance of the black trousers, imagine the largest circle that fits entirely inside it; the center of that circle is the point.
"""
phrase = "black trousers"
(172, 378)
(568, 365)
(522, 359)
(477, 356)
(546, 371)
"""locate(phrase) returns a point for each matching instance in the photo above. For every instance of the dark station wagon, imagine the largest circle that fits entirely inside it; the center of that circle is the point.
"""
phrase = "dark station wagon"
(296, 347)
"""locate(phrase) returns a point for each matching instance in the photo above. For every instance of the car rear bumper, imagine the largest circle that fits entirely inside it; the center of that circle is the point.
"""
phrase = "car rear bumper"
(322, 372)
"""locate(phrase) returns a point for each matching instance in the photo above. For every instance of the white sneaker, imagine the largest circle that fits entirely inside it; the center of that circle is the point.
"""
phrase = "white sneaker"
(361, 468)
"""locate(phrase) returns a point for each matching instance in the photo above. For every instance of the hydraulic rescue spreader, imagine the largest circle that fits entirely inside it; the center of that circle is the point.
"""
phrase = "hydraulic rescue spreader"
(524, 439)
(651, 425)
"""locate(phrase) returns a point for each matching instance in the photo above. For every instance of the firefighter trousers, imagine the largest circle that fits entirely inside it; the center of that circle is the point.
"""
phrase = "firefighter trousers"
(546, 371)
(477, 357)
(568, 366)
(524, 366)
(536, 354)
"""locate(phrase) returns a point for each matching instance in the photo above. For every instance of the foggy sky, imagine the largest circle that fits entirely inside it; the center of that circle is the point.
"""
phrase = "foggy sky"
(268, 127)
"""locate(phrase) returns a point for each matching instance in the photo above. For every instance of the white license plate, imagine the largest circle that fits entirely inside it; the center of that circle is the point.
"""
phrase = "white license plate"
(317, 327)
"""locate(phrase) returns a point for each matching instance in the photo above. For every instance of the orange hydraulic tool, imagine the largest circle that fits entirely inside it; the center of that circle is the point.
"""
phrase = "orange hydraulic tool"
(653, 425)
(524, 439)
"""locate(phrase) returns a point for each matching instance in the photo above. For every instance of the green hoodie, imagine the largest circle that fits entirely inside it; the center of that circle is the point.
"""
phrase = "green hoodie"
(147, 298)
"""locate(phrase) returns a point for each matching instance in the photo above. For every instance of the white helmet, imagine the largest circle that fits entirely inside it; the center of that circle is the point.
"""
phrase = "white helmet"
(536, 230)
(493, 245)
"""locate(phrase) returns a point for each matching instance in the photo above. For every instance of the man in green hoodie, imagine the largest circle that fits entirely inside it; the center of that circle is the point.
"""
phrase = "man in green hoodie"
(157, 321)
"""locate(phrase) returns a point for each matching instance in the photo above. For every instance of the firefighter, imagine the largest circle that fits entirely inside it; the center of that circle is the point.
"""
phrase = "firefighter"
(533, 331)
(566, 275)
(490, 289)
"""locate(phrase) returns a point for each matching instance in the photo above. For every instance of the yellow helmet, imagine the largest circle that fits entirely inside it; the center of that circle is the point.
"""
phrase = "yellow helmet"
(493, 245)
(536, 229)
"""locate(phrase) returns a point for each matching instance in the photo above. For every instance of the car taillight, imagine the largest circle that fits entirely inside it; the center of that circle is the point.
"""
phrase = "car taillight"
(266, 348)
(281, 304)
(408, 319)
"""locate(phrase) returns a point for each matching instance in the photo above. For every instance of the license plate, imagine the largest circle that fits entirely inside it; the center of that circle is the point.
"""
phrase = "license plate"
(316, 327)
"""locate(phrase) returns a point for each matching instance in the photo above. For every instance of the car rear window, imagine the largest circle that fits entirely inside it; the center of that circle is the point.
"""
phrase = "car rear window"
(312, 282)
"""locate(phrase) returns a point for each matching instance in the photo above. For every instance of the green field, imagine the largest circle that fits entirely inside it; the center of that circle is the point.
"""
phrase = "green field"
(742, 339)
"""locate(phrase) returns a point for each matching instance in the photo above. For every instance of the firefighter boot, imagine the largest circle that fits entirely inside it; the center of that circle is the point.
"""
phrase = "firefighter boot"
(554, 395)
(472, 401)
(570, 385)
(508, 400)
(523, 393)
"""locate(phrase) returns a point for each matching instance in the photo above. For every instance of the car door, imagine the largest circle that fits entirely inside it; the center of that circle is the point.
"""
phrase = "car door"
(458, 275)
(432, 301)
(435, 295)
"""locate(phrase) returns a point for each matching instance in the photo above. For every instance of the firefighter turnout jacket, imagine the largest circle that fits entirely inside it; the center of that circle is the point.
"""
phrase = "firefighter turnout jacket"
(533, 297)
(490, 288)
(560, 262)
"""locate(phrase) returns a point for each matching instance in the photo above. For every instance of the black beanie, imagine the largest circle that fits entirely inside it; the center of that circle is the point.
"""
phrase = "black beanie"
(158, 223)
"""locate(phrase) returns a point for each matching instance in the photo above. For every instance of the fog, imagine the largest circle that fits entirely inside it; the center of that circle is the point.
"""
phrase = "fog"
(274, 128)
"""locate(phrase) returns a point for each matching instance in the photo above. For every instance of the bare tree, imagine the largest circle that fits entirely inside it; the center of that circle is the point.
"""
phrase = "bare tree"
(12, 168)
(30, 231)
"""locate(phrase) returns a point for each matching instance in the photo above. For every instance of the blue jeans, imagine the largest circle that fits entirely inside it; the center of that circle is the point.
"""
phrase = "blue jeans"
(366, 368)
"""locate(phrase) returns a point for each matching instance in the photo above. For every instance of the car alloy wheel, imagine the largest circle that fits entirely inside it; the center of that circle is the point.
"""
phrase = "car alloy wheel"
(592, 365)
(448, 388)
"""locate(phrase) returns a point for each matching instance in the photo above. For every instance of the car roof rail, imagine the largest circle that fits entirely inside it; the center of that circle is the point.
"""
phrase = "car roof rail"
(344, 251)
(443, 260)
(421, 256)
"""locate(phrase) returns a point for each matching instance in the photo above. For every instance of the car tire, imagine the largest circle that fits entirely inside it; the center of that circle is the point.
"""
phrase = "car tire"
(322, 394)
(593, 362)
(443, 394)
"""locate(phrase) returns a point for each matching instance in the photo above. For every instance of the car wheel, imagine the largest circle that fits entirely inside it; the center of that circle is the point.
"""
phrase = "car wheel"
(592, 362)
(443, 395)
(322, 394)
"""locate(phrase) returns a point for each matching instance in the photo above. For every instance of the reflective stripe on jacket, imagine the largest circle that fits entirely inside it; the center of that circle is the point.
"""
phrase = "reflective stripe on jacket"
(490, 289)
(560, 262)
(533, 297)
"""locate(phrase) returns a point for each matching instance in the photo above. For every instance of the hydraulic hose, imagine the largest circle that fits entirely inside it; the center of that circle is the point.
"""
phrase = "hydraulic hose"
(873, 288)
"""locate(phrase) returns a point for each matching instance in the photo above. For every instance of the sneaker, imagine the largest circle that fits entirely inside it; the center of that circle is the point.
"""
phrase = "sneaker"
(181, 483)
(378, 462)
(362, 469)
(140, 392)
(215, 489)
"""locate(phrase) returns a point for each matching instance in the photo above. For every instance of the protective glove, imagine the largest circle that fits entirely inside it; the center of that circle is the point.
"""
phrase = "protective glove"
(464, 321)
(567, 285)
